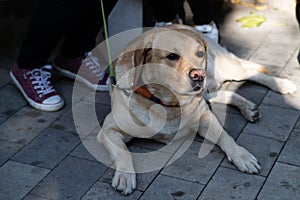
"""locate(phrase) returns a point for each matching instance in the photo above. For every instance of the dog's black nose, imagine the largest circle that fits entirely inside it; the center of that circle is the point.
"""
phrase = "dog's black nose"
(197, 75)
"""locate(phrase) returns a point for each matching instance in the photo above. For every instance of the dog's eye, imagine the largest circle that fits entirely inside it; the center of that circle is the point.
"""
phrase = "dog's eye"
(173, 56)
(200, 54)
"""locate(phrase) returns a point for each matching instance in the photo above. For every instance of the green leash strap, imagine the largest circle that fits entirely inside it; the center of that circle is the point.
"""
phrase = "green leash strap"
(111, 70)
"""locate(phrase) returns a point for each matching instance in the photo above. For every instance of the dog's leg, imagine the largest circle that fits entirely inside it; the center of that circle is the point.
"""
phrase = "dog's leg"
(248, 109)
(211, 129)
(125, 178)
(277, 84)
(252, 73)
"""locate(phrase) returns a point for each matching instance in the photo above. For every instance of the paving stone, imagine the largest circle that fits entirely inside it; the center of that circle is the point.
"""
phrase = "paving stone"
(232, 123)
(252, 91)
(102, 111)
(48, 149)
(86, 116)
(266, 150)
(71, 179)
(190, 167)
(157, 146)
(147, 166)
(290, 152)
(143, 179)
(26, 124)
(286, 101)
(67, 123)
(270, 53)
(18, 179)
(31, 197)
(8, 149)
(275, 122)
(65, 88)
(12, 99)
(93, 150)
(164, 187)
(232, 184)
(98, 97)
(2, 119)
(148, 160)
(292, 40)
(5, 78)
(82, 152)
(102, 190)
(233, 34)
(283, 183)
(292, 73)
(298, 124)
(147, 143)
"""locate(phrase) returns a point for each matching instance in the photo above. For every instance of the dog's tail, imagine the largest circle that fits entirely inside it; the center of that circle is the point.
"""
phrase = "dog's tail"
(255, 66)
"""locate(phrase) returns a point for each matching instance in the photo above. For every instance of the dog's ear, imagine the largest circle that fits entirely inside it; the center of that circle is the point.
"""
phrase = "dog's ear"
(142, 56)
(128, 65)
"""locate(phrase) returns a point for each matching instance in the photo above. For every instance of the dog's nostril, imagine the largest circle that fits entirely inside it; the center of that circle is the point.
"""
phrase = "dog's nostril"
(197, 75)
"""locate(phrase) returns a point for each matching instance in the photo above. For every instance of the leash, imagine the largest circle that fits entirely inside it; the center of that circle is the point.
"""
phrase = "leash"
(111, 70)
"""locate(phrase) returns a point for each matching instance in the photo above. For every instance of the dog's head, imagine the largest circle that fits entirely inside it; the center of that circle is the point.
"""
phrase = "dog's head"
(168, 61)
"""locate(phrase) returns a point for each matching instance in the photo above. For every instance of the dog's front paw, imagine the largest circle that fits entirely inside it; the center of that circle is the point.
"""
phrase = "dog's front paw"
(286, 87)
(124, 182)
(250, 112)
(245, 161)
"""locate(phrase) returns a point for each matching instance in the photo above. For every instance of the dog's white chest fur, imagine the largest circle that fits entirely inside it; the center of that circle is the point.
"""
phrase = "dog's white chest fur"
(169, 121)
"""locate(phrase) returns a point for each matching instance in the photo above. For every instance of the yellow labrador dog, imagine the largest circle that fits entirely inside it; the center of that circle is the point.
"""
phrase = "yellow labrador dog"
(164, 75)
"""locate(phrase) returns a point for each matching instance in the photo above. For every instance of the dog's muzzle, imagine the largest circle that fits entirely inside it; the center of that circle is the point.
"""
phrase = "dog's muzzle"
(197, 77)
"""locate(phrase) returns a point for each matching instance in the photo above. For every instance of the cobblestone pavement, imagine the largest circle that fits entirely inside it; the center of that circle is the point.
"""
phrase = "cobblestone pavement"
(42, 157)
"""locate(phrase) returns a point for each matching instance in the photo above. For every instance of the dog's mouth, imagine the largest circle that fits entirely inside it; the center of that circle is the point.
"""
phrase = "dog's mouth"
(196, 90)
(197, 87)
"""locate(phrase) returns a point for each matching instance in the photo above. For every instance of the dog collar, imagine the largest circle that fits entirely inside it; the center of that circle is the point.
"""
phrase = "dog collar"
(143, 91)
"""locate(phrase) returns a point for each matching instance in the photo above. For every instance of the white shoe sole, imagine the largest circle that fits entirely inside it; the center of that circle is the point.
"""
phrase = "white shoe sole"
(43, 107)
(98, 88)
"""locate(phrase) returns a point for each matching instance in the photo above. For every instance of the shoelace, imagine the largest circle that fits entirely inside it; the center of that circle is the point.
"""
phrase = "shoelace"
(40, 80)
(93, 64)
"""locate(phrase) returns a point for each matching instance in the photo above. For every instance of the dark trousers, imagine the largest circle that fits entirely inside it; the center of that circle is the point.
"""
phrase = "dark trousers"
(203, 12)
(76, 21)
(166, 10)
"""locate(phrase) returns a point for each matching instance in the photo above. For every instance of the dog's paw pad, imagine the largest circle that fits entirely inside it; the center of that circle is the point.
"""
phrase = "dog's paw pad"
(124, 182)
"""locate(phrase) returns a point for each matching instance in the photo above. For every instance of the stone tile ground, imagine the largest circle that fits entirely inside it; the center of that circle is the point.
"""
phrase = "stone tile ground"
(42, 157)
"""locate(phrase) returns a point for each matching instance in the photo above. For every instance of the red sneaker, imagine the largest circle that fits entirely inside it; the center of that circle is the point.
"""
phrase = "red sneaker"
(91, 74)
(36, 87)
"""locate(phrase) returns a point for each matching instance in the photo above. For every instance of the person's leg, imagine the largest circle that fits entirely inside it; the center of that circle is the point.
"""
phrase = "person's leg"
(32, 74)
(164, 11)
(75, 59)
(46, 29)
(203, 12)
(81, 37)
(203, 17)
